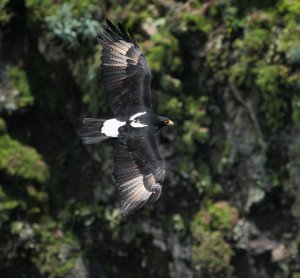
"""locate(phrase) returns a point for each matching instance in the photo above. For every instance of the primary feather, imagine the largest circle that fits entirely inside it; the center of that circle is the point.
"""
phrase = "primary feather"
(126, 75)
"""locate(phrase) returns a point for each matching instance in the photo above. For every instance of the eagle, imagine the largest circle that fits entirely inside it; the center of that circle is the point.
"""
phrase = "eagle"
(139, 167)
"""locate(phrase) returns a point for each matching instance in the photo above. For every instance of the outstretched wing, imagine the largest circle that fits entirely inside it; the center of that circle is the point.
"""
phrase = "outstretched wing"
(139, 169)
(126, 75)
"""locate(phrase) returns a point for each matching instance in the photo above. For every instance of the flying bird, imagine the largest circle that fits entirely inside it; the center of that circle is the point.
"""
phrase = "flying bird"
(139, 168)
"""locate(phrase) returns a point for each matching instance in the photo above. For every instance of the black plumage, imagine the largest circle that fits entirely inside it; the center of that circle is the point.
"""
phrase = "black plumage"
(126, 77)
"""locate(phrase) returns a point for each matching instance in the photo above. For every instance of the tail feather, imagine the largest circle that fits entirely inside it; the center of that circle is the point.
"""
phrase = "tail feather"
(90, 133)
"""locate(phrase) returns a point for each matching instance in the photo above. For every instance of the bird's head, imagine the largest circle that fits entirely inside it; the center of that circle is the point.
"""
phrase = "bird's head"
(163, 121)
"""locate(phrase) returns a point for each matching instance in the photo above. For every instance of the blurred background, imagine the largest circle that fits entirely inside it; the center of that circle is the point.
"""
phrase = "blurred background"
(226, 71)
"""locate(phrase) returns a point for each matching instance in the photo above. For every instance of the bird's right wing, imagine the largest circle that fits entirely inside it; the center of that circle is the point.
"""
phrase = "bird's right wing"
(139, 169)
(126, 75)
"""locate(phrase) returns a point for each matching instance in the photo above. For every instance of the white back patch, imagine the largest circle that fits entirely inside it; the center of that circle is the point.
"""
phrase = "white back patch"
(110, 127)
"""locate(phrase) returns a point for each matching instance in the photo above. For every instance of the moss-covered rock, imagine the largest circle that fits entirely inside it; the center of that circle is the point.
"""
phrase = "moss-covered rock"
(21, 161)
(211, 255)
(57, 251)
(219, 216)
(19, 88)
(270, 79)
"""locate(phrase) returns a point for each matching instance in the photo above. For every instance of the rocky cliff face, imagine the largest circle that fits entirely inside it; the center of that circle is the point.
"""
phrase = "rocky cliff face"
(227, 72)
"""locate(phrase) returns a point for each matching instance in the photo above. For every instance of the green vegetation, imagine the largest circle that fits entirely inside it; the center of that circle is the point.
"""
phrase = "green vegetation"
(2, 126)
(19, 82)
(226, 71)
(21, 161)
(70, 29)
(219, 216)
(212, 255)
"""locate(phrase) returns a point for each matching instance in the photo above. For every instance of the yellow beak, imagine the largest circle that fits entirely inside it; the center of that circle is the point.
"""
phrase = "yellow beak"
(169, 122)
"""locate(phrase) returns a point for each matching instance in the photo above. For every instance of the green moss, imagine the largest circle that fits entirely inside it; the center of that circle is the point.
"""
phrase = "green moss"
(256, 39)
(2, 126)
(194, 131)
(54, 251)
(7, 203)
(291, 7)
(172, 106)
(18, 81)
(170, 84)
(22, 161)
(162, 51)
(193, 21)
(268, 76)
(205, 184)
(40, 9)
(218, 216)
(194, 123)
(289, 43)
(271, 81)
(247, 51)
(211, 255)
(42, 4)
(4, 15)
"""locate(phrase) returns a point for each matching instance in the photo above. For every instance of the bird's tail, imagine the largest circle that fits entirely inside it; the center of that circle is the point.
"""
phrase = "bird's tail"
(90, 133)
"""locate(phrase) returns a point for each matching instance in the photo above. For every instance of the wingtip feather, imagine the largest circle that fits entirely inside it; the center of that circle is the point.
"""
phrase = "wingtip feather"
(132, 38)
(120, 32)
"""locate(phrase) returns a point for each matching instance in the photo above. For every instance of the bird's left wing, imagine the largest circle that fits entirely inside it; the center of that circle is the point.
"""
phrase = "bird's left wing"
(139, 169)
(126, 75)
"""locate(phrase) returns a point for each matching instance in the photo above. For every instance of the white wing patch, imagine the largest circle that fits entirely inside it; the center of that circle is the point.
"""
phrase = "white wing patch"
(110, 127)
(135, 122)
(133, 117)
